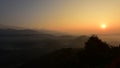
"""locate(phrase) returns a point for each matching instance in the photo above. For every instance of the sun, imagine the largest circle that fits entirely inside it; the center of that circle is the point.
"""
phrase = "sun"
(103, 26)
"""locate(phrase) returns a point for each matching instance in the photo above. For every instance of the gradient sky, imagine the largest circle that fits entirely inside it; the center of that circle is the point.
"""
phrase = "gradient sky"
(72, 16)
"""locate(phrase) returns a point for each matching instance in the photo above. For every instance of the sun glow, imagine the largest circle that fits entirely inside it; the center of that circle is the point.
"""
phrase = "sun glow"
(103, 26)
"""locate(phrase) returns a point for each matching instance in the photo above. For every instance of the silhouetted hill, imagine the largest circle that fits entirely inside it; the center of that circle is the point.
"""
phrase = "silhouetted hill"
(96, 54)
(45, 50)
(2, 26)
(21, 30)
(19, 46)
(32, 38)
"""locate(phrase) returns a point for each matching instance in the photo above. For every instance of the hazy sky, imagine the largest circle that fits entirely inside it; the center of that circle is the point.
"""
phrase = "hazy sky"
(73, 16)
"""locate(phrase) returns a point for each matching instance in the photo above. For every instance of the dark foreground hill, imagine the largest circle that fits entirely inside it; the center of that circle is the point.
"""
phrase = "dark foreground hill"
(96, 54)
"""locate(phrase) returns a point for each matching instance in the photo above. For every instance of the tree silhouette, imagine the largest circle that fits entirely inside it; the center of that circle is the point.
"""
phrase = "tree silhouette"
(95, 44)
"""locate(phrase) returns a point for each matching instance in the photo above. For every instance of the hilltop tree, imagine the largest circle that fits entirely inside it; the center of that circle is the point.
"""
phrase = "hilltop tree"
(94, 44)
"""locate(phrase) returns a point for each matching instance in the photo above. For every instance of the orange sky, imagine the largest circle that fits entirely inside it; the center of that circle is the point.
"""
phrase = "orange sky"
(71, 16)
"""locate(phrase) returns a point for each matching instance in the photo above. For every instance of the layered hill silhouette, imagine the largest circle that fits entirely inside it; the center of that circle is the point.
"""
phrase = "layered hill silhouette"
(18, 46)
(10, 37)
(96, 54)
(3, 26)
(26, 48)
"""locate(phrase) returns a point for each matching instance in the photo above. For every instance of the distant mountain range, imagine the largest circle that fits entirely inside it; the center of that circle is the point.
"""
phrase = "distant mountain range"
(15, 37)
(2, 26)
(6, 29)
